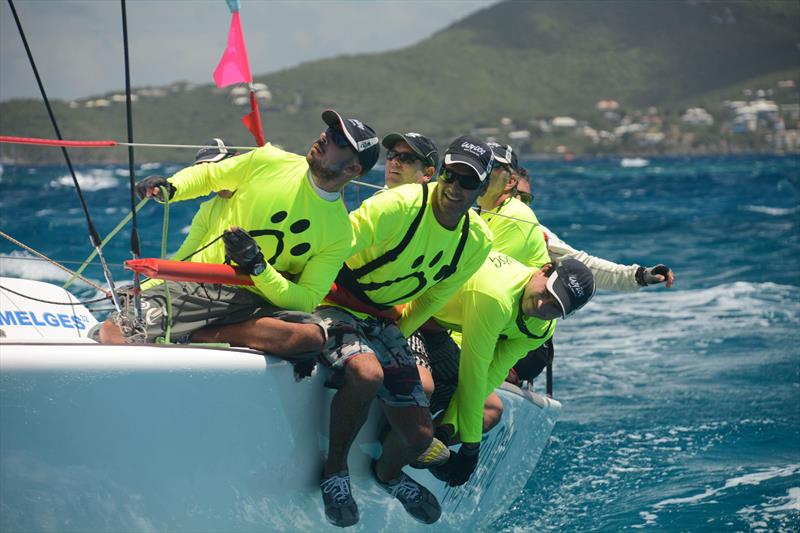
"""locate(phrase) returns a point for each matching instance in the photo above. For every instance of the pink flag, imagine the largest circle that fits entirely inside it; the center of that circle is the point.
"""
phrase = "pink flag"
(234, 66)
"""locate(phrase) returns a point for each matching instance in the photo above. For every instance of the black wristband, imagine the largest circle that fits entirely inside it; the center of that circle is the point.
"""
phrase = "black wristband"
(640, 277)
(469, 451)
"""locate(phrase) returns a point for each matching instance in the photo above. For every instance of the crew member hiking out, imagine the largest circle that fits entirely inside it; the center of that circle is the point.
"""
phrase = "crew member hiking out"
(412, 158)
(415, 245)
(505, 310)
(287, 226)
(607, 275)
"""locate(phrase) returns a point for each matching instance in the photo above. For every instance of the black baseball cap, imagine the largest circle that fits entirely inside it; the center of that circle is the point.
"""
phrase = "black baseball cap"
(503, 154)
(473, 152)
(421, 145)
(361, 137)
(572, 285)
(214, 150)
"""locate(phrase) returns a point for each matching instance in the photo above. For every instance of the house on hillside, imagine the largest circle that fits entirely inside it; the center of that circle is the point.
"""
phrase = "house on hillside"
(563, 122)
(697, 116)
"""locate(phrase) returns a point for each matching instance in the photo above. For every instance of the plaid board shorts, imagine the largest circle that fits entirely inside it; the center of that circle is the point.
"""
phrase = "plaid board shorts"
(196, 305)
(349, 336)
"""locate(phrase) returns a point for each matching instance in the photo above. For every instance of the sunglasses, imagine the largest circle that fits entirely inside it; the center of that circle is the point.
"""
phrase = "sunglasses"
(404, 157)
(525, 197)
(467, 182)
(336, 136)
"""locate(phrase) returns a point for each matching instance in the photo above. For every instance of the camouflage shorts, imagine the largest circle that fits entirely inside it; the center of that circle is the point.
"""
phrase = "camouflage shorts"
(349, 336)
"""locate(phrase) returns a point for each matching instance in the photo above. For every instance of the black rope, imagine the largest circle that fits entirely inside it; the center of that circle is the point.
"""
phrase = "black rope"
(201, 249)
(84, 302)
(136, 250)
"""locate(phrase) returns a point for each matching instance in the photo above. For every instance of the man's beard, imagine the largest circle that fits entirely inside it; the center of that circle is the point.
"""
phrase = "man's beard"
(325, 174)
(322, 173)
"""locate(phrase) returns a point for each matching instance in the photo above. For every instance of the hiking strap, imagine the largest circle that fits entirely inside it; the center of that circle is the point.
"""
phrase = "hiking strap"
(395, 252)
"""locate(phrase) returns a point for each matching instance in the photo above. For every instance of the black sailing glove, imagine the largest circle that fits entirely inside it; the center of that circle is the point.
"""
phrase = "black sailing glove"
(650, 276)
(242, 249)
(151, 186)
(458, 469)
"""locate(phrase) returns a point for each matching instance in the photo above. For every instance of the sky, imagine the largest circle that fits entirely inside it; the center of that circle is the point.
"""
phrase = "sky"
(77, 45)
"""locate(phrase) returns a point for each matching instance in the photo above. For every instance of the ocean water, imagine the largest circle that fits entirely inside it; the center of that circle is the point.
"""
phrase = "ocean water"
(681, 406)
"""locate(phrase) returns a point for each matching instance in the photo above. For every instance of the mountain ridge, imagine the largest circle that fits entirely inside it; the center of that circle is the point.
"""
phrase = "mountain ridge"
(513, 59)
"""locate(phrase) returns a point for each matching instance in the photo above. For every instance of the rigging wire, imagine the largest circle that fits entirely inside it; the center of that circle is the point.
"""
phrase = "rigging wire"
(106, 240)
(136, 250)
(51, 261)
(76, 302)
(93, 235)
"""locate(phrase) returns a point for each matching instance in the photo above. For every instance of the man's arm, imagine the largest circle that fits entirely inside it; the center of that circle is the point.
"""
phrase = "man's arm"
(313, 284)
(483, 319)
(607, 275)
(506, 355)
(200, 180)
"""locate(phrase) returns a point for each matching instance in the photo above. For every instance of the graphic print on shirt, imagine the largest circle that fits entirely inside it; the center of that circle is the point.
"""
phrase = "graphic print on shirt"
(419, 276)
(297, 227)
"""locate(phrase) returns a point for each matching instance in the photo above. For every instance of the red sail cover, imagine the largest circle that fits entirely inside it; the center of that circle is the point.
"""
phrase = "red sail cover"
(186, 271)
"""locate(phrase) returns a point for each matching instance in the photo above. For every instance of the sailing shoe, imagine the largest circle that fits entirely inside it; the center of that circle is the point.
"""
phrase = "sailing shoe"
(436, 454)
(419, 502)
(340, 507)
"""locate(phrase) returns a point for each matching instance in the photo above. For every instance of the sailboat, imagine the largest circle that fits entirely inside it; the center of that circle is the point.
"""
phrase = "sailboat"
(198, 438)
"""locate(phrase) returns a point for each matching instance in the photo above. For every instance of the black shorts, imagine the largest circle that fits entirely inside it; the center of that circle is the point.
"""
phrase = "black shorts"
(534, 362)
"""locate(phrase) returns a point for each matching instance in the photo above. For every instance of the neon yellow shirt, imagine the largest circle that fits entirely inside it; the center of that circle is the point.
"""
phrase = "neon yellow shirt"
(302, 234)
(380, 224)
(521, 237)
(495, 335)
(208, 211)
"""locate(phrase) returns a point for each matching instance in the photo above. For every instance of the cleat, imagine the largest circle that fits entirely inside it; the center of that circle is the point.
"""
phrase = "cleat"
(340, 507)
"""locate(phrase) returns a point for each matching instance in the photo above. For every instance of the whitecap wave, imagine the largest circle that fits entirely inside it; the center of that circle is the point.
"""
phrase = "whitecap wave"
(23, 265)
(644, 322)
(772, 211)
(775, 514)
(634, 162)
(758, 517)
(93, 180)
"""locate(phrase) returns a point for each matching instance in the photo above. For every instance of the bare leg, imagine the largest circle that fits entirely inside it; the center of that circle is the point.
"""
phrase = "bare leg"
(284, 339)
(111, 334)
(492, 411)
(427, 380)
(363, 376)
(411, 434)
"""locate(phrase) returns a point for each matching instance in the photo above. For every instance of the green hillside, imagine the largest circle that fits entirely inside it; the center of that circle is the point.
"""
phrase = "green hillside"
(521, 60)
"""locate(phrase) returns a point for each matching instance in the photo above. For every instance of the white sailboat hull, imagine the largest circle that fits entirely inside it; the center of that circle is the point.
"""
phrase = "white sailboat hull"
(187, 438)
(143, 438)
